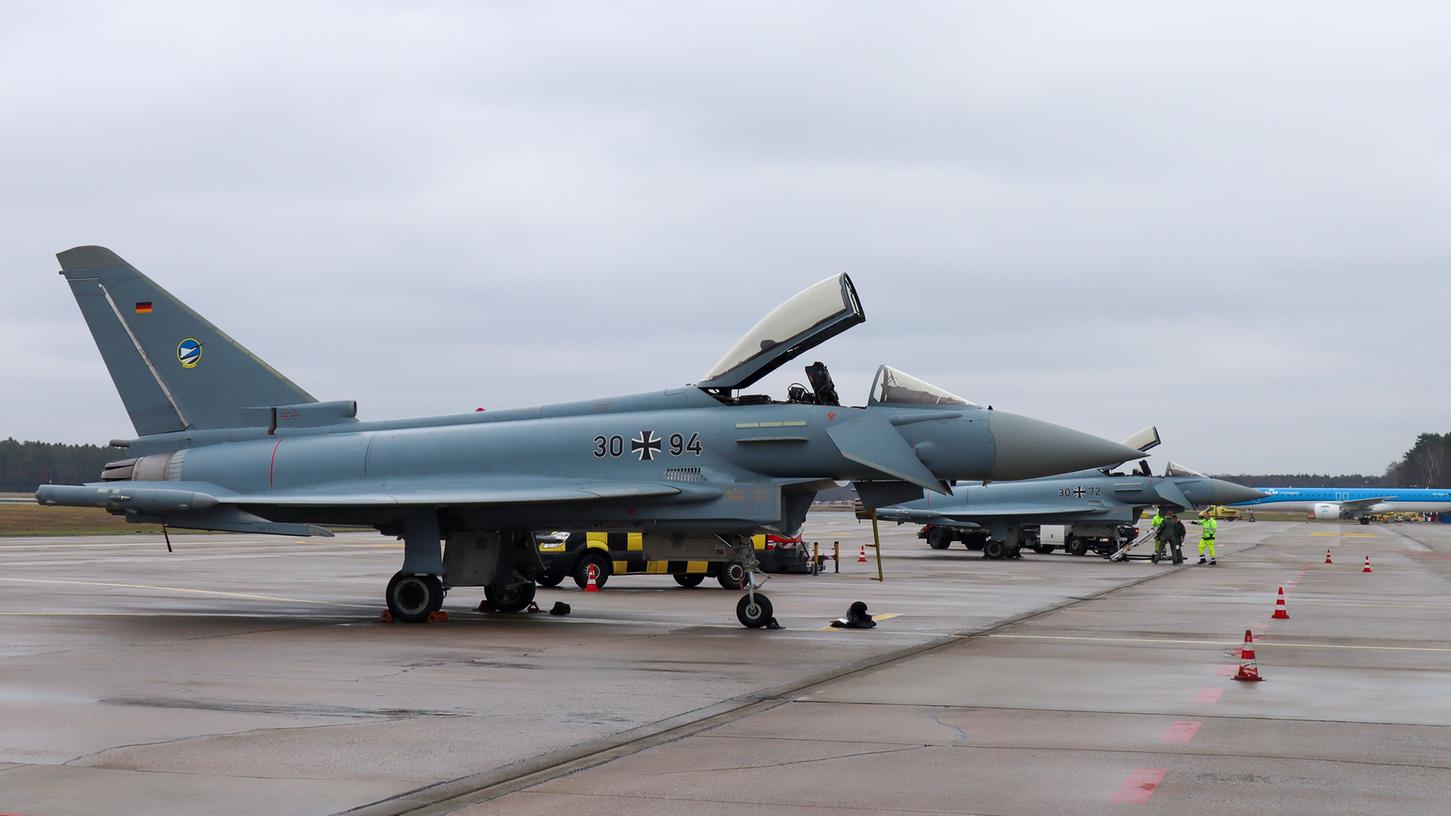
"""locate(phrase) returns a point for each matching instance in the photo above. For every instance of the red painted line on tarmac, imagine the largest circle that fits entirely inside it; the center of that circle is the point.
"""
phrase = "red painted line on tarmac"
(1139, 786)
(1208, 696)
(1181, 732)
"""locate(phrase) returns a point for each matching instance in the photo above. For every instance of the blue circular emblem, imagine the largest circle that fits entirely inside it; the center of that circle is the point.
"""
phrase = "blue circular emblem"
(189, 352)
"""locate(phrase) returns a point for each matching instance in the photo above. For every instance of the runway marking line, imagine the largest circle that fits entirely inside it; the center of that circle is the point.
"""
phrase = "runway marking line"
(1208, 696)
(1225, 642)
(1139, 786)
(1181, 732)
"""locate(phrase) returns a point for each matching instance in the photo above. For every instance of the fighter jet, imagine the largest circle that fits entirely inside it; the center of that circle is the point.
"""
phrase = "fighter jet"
(1000, 518)
(225, 442)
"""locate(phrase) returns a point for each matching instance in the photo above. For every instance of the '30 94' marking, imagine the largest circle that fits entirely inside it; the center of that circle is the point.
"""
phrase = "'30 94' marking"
(646, 445)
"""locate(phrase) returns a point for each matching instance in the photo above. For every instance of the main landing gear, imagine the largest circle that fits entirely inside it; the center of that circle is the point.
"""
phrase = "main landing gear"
(416, 591)
(412, 598)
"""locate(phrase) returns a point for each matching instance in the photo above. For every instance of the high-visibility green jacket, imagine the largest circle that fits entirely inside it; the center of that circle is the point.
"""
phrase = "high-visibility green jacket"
(1209, 527)
(1156, 520)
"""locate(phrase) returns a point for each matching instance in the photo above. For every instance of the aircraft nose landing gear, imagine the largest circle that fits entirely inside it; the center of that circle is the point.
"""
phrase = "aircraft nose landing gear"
(753, 610)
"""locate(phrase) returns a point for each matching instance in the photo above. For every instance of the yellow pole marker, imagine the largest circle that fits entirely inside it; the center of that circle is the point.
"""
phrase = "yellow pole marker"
(877, 545)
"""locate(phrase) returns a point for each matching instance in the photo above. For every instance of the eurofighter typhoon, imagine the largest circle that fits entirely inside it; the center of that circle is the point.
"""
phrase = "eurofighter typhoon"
(225, 442)
(1002, 517)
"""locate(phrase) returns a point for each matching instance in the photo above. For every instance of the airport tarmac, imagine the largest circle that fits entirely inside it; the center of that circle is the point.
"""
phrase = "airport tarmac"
(249, 675)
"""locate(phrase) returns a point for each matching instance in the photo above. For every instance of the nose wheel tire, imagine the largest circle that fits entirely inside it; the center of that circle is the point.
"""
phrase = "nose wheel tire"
(753, 614)
(689, 581)
(549, 580)
(510, 597)
(412, 598)
(994, 550)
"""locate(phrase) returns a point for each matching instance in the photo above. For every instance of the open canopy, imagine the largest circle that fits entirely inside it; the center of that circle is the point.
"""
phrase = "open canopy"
(811, 317)
(893, 387)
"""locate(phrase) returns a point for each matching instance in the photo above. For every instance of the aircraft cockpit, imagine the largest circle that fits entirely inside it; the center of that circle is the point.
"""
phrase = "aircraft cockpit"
(806, 320)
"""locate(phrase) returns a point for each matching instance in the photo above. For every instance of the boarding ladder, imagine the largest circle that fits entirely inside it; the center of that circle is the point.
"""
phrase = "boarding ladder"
(1122, 553)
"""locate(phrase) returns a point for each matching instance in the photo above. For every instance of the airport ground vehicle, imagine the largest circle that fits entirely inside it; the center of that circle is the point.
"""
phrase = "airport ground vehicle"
(574, 554)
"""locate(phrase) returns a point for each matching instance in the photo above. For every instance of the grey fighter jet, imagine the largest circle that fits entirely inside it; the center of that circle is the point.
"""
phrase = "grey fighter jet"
(1002, 517)
(225, 442)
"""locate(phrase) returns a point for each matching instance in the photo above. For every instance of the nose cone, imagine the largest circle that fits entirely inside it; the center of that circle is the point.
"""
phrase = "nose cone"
(1028, 448)
(1231, 493)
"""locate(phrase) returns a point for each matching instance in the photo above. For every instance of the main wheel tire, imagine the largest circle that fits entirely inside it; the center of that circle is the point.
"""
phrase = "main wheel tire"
(510, 597)
(689, 581)
(1075, 546)
(602, 566)
(753, 615)
(412, 598)
(940, 538)
(1042, 549)
(731, 576)
(994, 549)
(549, 580)
(1015, 551)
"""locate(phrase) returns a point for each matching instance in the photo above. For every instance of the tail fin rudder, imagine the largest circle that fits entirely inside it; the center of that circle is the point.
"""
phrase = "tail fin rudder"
(173, 368)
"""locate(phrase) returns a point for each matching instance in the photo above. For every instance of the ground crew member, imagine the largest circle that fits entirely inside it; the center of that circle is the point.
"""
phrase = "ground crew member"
(1156, 521)
(1207, 529)
(1170, 534)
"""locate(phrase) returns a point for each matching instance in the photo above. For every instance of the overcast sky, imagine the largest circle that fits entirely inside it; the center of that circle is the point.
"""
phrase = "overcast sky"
(1232, 220)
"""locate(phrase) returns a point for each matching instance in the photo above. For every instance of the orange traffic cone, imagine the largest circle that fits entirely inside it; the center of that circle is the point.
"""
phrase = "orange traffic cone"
(1248, 669)
(1282, 612)
(1366, 568)
(862, 558)
(591, 572)
(1327, 556)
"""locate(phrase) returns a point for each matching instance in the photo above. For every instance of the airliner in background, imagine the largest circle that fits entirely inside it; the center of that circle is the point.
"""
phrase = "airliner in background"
(1351, 502)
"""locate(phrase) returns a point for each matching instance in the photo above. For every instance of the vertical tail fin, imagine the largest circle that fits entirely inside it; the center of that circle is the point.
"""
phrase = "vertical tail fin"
(173, 368)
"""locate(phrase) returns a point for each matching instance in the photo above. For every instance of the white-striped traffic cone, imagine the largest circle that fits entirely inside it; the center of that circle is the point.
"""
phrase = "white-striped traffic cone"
(1248, 669)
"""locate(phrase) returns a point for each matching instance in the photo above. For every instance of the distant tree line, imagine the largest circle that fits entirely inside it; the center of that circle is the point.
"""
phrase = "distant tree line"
(1302, 480)
(1426, 464)
(24, 466)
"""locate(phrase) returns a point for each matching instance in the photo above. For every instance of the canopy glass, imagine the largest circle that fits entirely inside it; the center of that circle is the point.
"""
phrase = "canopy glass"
(808, 318)
(893, 387)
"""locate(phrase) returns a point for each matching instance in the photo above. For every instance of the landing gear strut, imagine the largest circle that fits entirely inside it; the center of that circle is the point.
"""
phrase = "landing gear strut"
(754, 608)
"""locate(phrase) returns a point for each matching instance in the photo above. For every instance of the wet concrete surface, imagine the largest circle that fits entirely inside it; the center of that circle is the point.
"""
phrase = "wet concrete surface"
(245, 675)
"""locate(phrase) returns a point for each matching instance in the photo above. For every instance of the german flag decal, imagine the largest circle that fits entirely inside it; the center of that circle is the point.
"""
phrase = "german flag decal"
(143, 307)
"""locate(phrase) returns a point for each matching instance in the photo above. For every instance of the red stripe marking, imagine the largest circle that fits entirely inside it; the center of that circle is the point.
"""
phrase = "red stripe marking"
(1181, 732)
(272, 466)
(1208, 696)
(1139, 786)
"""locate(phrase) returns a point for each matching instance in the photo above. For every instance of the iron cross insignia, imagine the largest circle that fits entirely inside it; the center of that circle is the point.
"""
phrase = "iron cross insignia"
(1079, 491)
(646, 445)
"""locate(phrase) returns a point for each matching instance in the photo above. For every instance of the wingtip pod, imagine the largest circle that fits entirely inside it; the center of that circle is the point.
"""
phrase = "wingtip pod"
(1028, 448)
